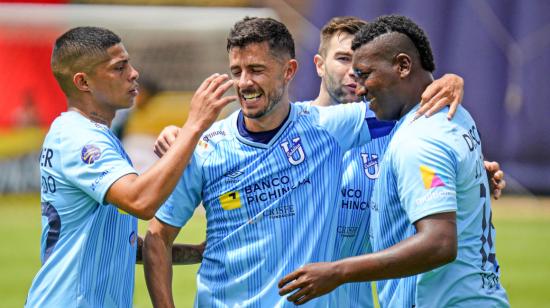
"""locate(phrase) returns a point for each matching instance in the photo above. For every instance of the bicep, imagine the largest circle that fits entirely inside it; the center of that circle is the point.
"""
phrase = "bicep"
(119, 192)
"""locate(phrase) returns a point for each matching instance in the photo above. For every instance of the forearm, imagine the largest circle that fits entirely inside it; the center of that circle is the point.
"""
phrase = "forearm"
(158, 270)
(183, 254)
(148, 191)
(409, 257)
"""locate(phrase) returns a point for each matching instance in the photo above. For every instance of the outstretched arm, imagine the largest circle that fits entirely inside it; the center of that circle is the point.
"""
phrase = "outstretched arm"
(142, 195)
(434, 244)
(445, 91)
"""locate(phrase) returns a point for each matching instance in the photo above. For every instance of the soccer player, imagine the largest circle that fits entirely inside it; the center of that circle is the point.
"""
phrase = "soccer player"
(91, 194)
(268, 177)
(431, 214)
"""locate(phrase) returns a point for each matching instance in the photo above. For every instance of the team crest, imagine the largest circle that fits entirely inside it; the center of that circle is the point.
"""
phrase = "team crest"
(372, 170)
(90, 153)
(294, 153)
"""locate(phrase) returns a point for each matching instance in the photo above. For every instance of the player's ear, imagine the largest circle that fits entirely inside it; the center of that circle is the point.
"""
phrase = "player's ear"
(319, 65)
(403, 64)
(80, 80)
(291, 68)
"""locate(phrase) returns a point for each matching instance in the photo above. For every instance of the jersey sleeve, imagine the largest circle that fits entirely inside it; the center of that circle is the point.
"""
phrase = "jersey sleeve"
(426, 177)
(93, 162)
(187, 195)
(346, 123)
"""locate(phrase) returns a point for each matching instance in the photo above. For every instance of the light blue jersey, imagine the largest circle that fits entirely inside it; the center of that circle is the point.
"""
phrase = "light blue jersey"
(88, 248)
(431, 166)
(361, 169)
(270, 208)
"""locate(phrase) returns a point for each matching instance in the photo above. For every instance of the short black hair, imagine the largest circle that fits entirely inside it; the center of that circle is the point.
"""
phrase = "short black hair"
(74, 47)
(258, 30)
(401, 24)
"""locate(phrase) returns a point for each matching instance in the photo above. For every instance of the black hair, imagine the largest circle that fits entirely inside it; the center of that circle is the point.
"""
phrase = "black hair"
(400, 24)
(258, 30)
(72, 49)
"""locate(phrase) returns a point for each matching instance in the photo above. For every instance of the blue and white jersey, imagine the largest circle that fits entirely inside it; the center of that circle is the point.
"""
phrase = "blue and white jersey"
(361, 169)
(270, 208)
(88, 248)
(432, 166)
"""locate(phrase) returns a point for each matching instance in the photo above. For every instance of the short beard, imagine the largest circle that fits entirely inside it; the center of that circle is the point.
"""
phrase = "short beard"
(273, 100)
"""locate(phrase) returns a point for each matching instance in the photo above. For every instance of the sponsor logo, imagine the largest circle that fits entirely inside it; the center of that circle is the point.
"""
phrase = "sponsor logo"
(370, 165)
(90, 153)
(295, 153)
(352, 199)
(280, 212)
(234, 174)
(346, 231)
(435, 195)
(202, 144)
(430, 178)
(213, 134)
(230, 200)
(99, 178)
(272, 189)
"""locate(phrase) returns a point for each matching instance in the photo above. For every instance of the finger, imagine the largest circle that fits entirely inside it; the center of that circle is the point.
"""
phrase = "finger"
(432, 90)
(207, 82)
(298, 294)
(220, 91)
(422, 110)
(303, 300)
(452, 110)
(216, 83)
(224, 101)
(288, 278)
(171, 134)
(497, 193)
(498, 176)
(440, 104)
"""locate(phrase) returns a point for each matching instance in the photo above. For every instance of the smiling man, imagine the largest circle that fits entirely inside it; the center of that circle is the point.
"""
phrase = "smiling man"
(268, 177)
(91, 194)
(433, 238)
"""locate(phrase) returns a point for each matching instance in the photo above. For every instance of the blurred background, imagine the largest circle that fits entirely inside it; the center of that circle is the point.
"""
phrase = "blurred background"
(500, 48)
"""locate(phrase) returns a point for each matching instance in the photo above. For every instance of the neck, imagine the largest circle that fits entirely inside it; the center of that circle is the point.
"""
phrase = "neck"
(270, 121)
(324, 99)
(91, 112)
(419, 83)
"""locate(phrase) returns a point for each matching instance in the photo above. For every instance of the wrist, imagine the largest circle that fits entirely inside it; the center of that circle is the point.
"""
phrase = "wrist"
(341, 274)
(192, 129)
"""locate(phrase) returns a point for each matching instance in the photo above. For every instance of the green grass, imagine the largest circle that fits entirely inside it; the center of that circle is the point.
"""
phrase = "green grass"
(523, 250)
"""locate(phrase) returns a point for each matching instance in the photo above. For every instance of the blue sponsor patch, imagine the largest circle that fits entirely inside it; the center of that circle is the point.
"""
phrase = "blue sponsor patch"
(90, 153)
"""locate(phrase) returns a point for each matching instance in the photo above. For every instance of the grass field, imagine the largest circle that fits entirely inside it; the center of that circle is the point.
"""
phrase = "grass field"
(523, 250)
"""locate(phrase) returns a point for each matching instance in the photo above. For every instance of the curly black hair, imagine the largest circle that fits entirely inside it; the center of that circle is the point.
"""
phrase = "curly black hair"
(258, 30)
(401, 24)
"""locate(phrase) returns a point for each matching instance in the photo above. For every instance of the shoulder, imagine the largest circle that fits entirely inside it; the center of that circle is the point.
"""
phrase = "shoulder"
(217, 135)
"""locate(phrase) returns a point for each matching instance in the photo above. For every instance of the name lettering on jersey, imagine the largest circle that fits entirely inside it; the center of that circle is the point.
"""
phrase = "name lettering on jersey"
(272, 189)
(347, 231)
(472, 138)
(295, 153)
(352, 199)
(90, 153)
(370, 165)
(48, 184)
(230, 200)
(46, 157)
